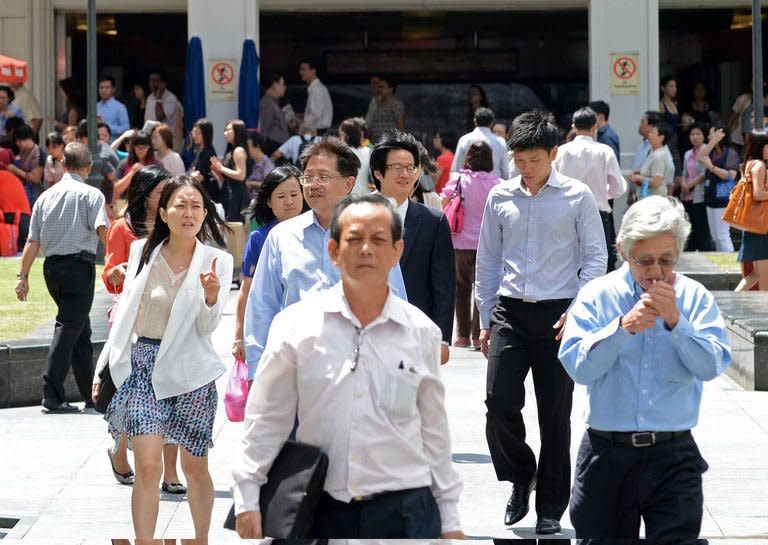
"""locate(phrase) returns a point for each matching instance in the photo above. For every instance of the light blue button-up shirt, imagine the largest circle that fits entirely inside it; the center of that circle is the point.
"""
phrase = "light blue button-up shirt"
(294, 262)
(538, 247)
(113, 113)
(650, 381)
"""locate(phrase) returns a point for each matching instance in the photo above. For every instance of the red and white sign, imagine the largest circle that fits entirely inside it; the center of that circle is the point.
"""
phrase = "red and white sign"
(624, 78)
(221, 79)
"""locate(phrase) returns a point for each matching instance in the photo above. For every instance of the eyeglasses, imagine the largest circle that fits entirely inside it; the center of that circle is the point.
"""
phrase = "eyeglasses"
(399, 169)
(664, 262)
(322, 179)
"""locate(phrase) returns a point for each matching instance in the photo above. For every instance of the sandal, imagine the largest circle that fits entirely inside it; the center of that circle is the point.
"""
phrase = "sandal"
(174, 488)
(122, 478)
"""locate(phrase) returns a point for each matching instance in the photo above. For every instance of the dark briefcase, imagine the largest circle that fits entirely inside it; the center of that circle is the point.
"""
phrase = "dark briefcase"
(290, 496)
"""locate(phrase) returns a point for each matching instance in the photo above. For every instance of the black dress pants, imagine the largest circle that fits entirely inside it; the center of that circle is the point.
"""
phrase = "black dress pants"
(522, 338)
(610, 239)
(405, 514)
(70, 281)
(615, 485)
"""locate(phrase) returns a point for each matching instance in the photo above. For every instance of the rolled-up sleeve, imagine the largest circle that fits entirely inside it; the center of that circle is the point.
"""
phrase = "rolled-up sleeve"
(594, 254)
(269, 416)
(489, 268)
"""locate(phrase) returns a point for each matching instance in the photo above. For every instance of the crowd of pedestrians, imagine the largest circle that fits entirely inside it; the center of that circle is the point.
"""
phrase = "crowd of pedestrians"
(355, 266)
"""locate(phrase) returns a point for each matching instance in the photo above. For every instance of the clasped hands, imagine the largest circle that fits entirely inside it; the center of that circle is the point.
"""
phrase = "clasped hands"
(657, 301)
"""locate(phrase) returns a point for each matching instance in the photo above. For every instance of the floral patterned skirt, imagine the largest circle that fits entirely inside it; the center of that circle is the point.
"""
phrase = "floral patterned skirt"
(186, 419)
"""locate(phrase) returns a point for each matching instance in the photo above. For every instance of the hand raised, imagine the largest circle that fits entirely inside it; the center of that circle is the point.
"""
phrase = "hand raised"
(661, 296)
(641, 317)
(210, 282)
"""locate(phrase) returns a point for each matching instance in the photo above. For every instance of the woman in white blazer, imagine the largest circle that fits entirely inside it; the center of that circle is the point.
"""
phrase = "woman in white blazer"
(160, 354)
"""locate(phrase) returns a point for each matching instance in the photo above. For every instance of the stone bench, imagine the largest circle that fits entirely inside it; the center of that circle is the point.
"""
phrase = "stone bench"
(695, 265)
(746, 317)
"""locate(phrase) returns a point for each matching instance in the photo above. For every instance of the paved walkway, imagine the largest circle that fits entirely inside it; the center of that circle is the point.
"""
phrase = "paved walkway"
(55, 475)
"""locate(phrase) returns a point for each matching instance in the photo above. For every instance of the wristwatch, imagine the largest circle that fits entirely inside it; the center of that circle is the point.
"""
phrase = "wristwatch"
(22, 276)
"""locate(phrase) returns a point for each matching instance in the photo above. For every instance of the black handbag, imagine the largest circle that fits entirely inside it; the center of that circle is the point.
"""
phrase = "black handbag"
(106, 390)
(290, 496)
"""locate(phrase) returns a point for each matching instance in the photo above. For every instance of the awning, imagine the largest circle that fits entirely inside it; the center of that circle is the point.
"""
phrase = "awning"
(12, 70)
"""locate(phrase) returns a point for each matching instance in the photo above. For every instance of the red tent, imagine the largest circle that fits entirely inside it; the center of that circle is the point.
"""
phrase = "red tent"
(12, 70)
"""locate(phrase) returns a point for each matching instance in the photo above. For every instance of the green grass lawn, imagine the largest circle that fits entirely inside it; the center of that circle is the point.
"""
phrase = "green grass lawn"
(725, 260)
(19, 319)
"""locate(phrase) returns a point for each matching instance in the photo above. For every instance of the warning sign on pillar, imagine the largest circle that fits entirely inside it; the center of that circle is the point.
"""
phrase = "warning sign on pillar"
(221, 79)
(624, 76)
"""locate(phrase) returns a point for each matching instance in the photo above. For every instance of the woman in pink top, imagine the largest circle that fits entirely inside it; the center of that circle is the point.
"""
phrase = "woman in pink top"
(476, 182)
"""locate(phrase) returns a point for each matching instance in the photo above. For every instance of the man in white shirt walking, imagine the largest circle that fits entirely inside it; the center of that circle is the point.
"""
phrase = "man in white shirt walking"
(482, 131)
(595, 164)
(161, 103)
(319, 107)
(361, 366)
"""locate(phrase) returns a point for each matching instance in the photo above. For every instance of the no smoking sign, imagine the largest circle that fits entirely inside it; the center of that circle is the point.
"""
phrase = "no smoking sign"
(624, 79)
(221, 79)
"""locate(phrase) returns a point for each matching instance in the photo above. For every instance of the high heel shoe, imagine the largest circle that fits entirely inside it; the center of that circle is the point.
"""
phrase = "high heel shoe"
(122, 478)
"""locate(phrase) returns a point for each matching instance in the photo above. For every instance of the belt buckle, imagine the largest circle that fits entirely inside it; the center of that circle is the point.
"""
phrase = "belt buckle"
(643, 439)
(528, 300)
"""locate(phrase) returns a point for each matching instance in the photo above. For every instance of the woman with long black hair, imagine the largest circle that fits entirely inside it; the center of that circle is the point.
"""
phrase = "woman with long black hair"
(234, 168)
(160, 353)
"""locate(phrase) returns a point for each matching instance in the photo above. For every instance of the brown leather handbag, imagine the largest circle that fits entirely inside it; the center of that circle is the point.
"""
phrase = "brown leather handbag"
(743, 211)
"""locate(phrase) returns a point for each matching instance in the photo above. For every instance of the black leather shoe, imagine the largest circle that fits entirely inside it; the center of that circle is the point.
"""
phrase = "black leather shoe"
(88, 405)
(63, 407)
(517, 506)
(545, 526)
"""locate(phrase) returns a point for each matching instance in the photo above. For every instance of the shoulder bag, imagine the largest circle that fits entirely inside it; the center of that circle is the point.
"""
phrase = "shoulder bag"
(454, 212)
(743, 211)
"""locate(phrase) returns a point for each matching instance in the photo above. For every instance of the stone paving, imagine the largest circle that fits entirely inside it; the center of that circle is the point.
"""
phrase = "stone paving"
(55, 475)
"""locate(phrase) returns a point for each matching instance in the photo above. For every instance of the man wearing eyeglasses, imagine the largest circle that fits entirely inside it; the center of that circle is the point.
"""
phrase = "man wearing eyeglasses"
(294, 261)
(428, 259)
(643, 339)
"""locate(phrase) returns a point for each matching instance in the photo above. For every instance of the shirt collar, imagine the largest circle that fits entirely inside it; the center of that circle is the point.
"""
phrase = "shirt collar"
(402, 209)
(74, 176)
(336, 302)
(584, 137)
(110, 99)
(553, 180)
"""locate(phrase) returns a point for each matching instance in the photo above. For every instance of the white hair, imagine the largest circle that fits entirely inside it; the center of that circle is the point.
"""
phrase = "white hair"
(652, 217)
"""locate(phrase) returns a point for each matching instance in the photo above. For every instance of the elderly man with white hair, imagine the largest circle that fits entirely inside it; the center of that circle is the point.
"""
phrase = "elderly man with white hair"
(643, 339)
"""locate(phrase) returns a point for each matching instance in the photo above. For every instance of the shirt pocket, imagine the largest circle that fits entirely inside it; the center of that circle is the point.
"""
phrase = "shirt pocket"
(399, 392)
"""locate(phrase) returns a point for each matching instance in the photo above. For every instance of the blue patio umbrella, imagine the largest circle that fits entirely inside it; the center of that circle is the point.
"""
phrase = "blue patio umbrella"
(248, 86)
(194, 93)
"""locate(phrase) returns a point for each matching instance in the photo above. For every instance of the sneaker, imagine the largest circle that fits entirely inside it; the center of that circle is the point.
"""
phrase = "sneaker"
(476, 344)
(461, 342)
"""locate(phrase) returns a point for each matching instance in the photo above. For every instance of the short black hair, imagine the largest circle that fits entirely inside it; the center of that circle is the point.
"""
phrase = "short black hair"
(99, 125)
(483, 117)
(665, 130)
(24, 132)
(312, 63)
(271, 78)
(82, 129)
(110, 79)
(370, 198)
(534, 129)
(653, 117)
(53, 139)
(9, 92)
(448, 138)
(584, 119)
(257, 139)
(347, 162)
(390, 141)
(389, 82)
(261, 212)
(479, 157)
(160, 73)
(353, 131)
(600, 107)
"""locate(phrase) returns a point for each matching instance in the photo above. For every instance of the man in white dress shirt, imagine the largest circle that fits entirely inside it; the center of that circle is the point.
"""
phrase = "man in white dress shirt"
(595, 164)
(361, 366)
(319, 109)
(482, 131)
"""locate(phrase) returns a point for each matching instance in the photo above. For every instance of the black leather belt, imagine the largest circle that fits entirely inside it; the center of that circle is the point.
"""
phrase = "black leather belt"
(638, 438)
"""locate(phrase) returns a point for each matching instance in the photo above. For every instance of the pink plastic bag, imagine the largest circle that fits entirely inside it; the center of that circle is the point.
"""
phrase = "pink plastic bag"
(237, 392)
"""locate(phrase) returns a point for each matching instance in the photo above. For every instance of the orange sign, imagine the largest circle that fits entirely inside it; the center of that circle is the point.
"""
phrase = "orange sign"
(221, 79)
(624, 79)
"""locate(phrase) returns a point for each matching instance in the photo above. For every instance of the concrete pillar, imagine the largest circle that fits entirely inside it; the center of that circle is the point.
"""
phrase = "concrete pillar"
(41, 59)
(222, 27)
(626, 27)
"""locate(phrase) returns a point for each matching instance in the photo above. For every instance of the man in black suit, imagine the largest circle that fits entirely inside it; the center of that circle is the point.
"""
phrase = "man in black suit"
(427, 261)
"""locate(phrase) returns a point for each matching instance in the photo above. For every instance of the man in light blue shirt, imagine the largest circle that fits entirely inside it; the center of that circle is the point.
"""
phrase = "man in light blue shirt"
(541, 239)
(110, 110)
(294, 261)
(643, 339)
(482, 131)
